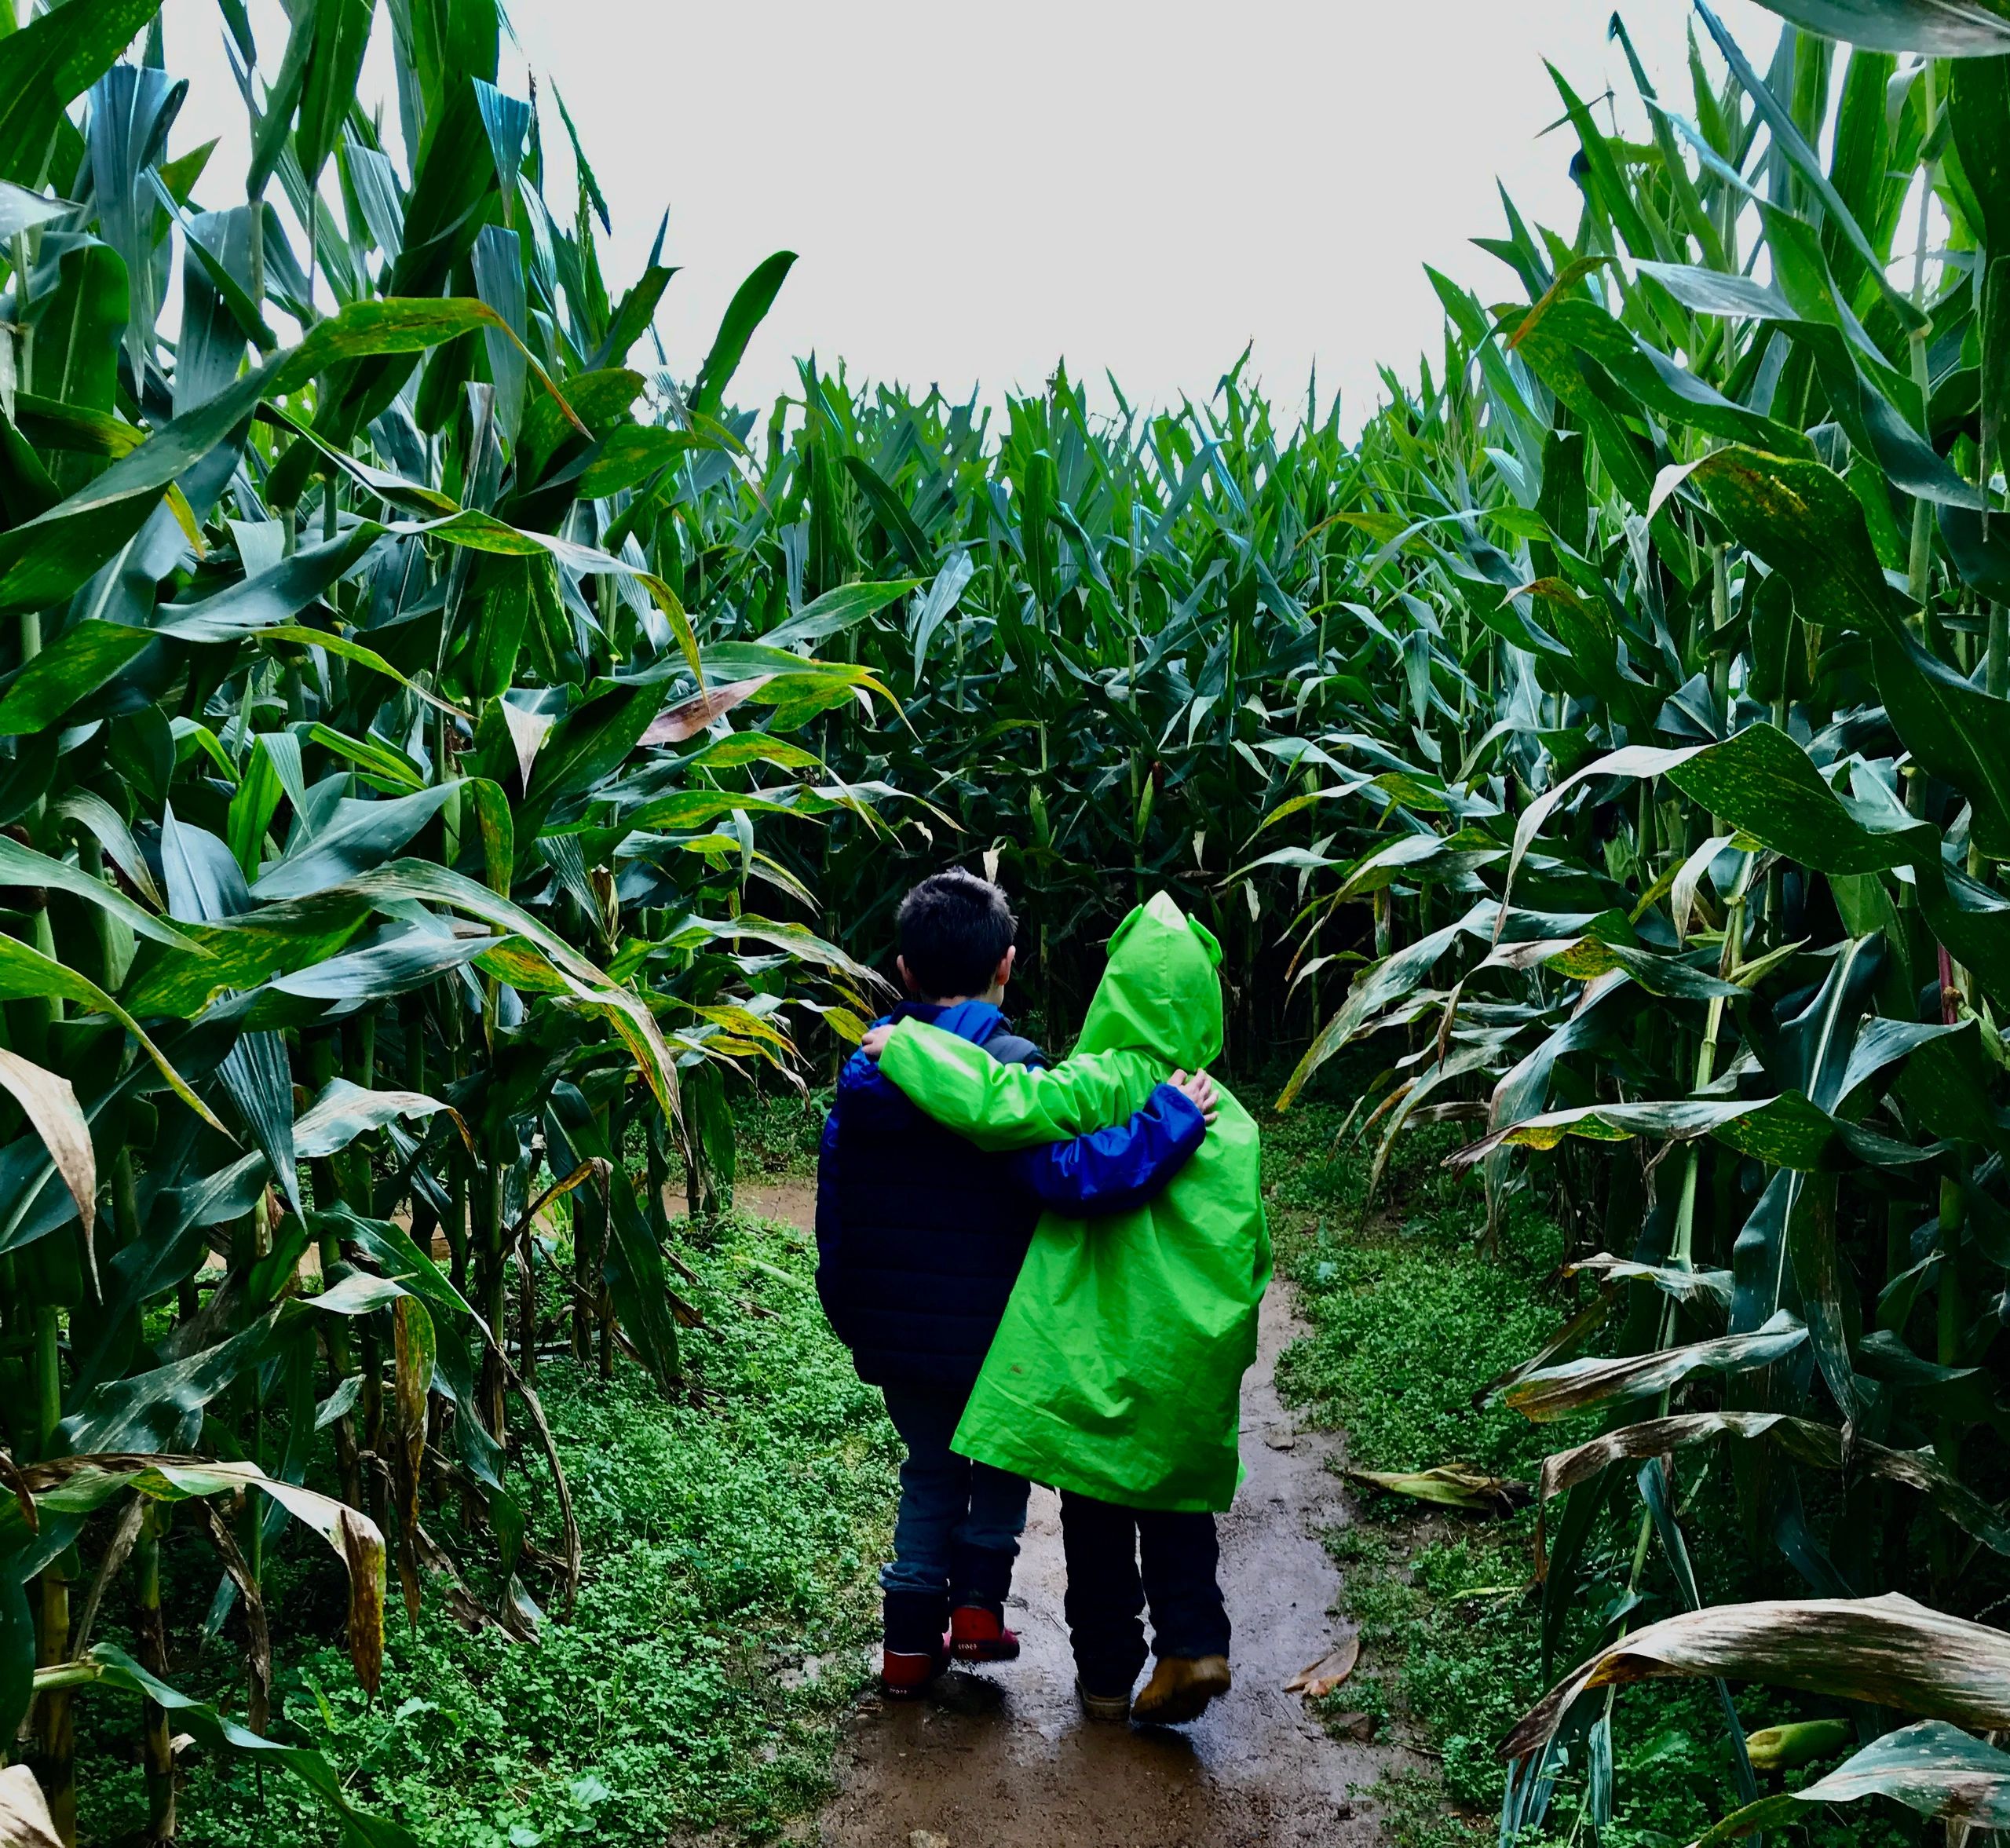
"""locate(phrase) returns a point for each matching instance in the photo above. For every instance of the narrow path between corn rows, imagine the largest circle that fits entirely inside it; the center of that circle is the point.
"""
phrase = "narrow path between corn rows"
(1001, 1757)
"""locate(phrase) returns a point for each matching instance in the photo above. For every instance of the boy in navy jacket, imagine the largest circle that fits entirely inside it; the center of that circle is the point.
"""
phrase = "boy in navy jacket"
(919, 1239)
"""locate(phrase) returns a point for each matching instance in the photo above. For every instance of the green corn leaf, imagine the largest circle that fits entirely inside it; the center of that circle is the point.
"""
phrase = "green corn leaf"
(48, 64)
(1945, 28)
(835, 611)
(745, 312)
(361, 835)
(1793, 146)
(1932, 1767)
(907, 538)
(339, 34)
(78, 326)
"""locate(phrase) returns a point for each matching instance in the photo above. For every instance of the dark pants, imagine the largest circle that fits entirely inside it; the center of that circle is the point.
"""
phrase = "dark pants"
(958, 1530)
(1106, 1592)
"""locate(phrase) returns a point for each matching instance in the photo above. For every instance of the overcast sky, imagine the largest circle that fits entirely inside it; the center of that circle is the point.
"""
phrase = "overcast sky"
(975, 192)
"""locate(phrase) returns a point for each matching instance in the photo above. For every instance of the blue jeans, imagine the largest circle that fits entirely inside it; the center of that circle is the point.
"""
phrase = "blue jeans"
(958, 1530)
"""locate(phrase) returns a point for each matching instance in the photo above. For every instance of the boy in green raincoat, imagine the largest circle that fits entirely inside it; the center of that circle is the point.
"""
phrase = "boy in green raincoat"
(1115, 1374)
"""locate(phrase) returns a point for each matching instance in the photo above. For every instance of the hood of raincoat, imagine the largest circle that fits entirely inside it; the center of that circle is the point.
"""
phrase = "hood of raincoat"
(1161, 993)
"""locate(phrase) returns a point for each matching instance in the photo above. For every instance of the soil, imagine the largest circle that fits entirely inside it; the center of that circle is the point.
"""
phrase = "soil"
(1002, 1757)
(790, 1199)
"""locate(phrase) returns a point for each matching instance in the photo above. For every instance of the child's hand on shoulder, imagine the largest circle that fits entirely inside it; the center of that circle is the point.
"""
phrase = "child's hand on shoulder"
(875, 1042)
(1200, 1089)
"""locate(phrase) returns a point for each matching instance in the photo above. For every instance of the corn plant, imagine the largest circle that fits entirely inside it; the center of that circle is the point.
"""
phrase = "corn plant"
(1107, 640)
(380, 843)
(1709, 907)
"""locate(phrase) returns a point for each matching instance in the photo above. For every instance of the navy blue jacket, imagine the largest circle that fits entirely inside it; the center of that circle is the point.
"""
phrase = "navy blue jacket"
(920, 1234)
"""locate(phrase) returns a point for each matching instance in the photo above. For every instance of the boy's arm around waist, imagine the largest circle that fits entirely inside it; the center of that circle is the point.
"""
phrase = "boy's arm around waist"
(1114, 1170)
(1002, 1106)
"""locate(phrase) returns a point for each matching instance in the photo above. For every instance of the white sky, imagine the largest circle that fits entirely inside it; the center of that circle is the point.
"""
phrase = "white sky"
(977, 191)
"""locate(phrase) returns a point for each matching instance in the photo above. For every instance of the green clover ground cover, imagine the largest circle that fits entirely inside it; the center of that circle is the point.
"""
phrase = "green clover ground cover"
(730, 1539)
(1409, 1317)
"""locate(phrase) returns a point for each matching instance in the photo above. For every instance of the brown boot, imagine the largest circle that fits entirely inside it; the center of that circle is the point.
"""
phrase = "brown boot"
(1180, 1689)
(1110, 1709)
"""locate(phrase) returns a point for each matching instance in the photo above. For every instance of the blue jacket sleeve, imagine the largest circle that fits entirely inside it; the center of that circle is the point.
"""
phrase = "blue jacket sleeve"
(1114, 1170)
(826, 1186)
(829, 1231)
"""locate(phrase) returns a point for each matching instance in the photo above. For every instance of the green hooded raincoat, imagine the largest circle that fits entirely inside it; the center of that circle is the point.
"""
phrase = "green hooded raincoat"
(1117, 1370)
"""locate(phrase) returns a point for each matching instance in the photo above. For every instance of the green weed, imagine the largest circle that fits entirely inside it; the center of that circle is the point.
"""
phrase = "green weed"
(1410, 1317)
(778, 1131)
(730, 1538)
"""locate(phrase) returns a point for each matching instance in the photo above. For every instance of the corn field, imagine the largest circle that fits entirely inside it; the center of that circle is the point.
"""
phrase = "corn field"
(338, 677)
(442, 752)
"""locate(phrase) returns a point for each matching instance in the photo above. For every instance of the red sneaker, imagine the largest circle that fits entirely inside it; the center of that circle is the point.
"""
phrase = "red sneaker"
(978, 1635)
(904, 1673)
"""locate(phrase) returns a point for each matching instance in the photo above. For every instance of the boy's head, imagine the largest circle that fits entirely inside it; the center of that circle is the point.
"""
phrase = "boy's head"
(956, 935)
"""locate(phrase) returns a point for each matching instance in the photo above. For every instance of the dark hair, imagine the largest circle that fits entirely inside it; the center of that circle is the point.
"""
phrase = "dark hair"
(954, 930)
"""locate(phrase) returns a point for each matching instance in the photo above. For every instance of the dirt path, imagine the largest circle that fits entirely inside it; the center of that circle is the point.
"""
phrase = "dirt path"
(1002, 1758)
(790, 1198)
